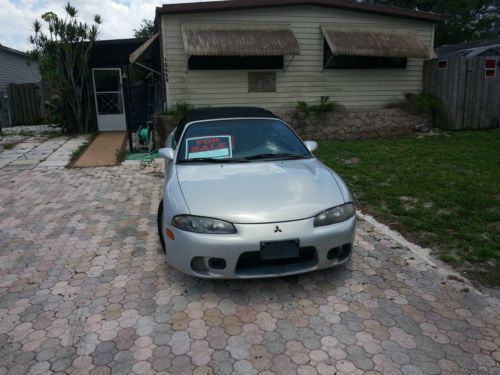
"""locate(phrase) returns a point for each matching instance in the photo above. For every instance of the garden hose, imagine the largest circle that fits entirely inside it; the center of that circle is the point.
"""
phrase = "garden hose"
(145, 135)
(148, 159)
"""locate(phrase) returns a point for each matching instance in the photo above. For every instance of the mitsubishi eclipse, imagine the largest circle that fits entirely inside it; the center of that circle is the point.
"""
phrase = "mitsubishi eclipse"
(244, 197)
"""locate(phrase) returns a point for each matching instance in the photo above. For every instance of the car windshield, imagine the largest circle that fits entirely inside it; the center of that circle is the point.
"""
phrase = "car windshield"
(240, 140)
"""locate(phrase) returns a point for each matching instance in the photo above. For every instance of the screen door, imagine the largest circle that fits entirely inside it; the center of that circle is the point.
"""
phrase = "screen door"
(109, 99)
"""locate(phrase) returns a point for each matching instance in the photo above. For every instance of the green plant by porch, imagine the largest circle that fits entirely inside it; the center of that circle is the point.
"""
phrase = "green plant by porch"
(325, 105)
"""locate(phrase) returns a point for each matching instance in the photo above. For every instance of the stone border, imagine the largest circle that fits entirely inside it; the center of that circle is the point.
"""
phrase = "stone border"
(424, 254)
(353, 125)
(336, 125)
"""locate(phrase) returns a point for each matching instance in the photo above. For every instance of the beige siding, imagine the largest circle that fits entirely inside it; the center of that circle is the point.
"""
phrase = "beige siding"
(304, 79)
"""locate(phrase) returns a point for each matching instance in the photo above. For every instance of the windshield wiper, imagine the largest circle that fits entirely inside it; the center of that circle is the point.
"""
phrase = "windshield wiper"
(211, 160)
(276, 156)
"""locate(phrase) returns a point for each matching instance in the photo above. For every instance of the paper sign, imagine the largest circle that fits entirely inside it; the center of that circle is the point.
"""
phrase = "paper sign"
(217, 147)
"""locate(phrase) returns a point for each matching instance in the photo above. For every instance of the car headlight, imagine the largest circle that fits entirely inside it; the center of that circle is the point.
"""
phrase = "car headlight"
(335, 215)
(200, 224)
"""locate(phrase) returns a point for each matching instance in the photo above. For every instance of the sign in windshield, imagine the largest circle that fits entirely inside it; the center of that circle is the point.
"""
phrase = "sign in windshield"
(216, 147)
(239, 140)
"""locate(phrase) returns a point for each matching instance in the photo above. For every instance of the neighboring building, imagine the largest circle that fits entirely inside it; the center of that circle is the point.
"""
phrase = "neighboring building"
(478, 48)
(273, 53)
(15, 67)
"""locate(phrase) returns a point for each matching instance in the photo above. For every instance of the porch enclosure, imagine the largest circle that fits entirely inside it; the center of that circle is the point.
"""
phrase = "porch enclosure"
(126, 85)
(469, 89)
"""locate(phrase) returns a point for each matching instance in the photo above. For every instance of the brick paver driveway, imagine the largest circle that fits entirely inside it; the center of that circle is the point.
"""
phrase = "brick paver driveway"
(84, 288)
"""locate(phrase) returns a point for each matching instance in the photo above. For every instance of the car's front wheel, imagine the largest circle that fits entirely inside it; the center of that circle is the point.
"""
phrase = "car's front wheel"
(160, 226)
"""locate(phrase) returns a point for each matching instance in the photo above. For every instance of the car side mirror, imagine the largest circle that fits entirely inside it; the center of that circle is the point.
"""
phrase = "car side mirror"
(311, 145)
(166, 153)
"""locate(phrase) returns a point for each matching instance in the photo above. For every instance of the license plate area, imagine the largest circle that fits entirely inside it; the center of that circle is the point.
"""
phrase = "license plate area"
(272, 250)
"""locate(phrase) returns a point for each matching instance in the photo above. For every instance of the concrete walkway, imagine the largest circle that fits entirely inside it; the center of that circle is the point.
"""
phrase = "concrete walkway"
(40, 152)
(103, 151)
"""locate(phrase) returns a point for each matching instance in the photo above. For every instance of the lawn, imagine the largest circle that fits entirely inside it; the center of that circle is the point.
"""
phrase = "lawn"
(440, 191)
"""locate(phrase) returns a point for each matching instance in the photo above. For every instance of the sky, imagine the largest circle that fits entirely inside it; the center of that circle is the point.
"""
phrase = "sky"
(120, 17)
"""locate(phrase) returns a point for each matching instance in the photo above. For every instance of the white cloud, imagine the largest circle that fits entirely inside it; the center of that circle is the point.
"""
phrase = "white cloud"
(119, 17)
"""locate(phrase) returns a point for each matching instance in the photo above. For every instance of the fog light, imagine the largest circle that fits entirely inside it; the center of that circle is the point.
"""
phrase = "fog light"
(198, 265)
(333, 253)
(339, 253)
(346, 251)
(217, 263)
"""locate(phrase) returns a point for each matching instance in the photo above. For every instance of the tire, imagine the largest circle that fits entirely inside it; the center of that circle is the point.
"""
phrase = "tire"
(160, 226)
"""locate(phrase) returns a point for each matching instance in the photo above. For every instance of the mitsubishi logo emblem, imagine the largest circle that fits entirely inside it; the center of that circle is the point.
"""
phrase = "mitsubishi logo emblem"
(277, 229)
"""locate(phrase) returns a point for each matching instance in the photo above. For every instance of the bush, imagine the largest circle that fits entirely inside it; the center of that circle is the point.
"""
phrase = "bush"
(54, 110)
(422, 104)
(178, 109)
(324, 106)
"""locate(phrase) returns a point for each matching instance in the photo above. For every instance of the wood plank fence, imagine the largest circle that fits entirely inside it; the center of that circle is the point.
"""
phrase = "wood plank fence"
(469, 89)
(4, 110)
(25, 103)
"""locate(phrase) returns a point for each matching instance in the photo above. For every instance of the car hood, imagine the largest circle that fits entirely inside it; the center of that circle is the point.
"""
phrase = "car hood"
(259, 192)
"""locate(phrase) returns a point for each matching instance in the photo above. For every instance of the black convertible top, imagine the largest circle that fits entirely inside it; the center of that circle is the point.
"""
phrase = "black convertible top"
(203, 114)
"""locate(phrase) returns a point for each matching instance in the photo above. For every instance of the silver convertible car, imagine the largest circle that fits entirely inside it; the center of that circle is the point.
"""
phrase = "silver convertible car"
(245, 197)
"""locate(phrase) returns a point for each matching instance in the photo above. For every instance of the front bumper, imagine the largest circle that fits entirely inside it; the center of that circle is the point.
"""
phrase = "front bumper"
(191, 252)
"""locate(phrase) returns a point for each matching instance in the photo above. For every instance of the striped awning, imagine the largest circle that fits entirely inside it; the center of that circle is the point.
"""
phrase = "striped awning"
(236, 40)
(366, 42)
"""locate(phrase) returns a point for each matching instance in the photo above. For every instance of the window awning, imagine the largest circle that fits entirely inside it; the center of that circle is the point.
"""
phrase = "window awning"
(366, 42)
(235, 40)
(136, 55)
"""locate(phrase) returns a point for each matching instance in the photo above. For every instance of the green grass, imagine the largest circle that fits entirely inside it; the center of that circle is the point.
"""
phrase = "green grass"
(25, 133)
(440, 191)
(10, 146)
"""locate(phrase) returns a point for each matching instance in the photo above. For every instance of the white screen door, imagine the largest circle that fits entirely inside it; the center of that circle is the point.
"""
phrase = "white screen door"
(109, 99)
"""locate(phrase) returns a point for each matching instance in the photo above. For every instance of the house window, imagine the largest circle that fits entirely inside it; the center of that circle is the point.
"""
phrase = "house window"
(261, 82)
(361, 62)
(234, 62)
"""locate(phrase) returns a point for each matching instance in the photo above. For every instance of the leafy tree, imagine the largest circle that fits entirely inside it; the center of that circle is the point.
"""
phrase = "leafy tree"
(62, 46)
(145, 30)
(464, 20)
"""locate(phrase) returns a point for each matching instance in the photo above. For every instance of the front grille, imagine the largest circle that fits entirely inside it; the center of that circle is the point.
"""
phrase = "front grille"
(251, 260)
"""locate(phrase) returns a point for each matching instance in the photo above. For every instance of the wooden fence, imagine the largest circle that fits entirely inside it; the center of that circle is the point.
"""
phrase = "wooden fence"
(4, 110)
(469, 89)
(27, 102)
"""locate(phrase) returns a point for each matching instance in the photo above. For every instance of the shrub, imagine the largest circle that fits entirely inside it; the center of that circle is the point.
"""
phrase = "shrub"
(422, 104)
(324, 106)
(54, 109)
(178, 109)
